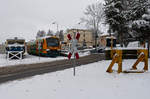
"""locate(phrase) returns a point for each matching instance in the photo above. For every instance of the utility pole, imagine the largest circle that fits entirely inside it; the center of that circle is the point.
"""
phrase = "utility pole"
(95, 35)
(96, 40)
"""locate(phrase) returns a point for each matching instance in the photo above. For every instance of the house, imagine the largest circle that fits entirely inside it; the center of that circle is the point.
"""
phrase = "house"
(85, 40)
(103, 40)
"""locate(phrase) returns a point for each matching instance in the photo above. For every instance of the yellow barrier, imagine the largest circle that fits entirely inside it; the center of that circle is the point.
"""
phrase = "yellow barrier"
(143, 57)
(117, 58)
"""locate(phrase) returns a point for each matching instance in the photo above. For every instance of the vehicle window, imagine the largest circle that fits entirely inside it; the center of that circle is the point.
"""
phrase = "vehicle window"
(52, 42)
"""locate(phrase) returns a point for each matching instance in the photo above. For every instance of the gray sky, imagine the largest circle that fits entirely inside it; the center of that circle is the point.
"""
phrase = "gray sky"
(24, 18)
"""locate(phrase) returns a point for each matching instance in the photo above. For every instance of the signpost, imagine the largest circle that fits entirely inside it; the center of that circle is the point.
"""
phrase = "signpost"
(73, 49)
(39, 47)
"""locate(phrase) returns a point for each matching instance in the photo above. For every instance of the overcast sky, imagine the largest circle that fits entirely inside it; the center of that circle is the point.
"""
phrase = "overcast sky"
(24, 18)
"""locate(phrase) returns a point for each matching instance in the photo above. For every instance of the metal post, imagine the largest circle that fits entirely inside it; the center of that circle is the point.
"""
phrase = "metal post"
(8, 55)
(56, 24)
(21, 55)
(74, 64)
(74, 60)
(95, 40)
(39, 49)
(57, 27)
(39, 54)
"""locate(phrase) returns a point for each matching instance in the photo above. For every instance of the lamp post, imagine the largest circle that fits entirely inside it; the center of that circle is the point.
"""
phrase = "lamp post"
(84, 41)
(56, 24)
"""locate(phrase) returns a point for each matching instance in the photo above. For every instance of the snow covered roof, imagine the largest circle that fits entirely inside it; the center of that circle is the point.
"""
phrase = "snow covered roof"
(111, 37)
(15, 44)
(125, 48)
(45, 37)
(104, 34)
(16, 38)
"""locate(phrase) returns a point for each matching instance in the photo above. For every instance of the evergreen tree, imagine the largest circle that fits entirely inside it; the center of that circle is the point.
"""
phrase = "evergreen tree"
(137, 9)
(141, 20)
(142, 27)
(116, 17)
(61, 35)
(57, 33)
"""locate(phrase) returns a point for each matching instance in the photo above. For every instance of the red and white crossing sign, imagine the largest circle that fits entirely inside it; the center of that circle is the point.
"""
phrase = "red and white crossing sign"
(73, 42)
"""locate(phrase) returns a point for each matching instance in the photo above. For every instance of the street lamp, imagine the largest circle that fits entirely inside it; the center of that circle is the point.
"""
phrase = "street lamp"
(84, 41)
(56, 24)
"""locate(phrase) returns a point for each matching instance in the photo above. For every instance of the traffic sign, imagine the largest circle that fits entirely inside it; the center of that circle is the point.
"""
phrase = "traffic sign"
(73, 49)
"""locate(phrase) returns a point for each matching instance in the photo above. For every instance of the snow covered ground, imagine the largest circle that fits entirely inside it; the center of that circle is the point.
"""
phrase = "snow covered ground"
(27, 60)
(30, 59)
(91, 82)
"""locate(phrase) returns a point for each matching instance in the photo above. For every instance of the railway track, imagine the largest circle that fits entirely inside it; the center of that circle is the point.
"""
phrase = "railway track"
(21, 71)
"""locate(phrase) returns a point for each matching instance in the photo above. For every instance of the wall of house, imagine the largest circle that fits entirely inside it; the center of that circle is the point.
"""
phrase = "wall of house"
(86, 37)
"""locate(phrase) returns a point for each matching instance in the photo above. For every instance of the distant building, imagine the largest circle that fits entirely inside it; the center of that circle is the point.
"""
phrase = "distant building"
(103, 39)
(86, 37)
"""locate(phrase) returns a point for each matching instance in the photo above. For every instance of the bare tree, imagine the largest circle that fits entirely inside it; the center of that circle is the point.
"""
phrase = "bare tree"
(57, 33)
(41, 34)
(50, 33)
(94, 15)
(61, 35)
